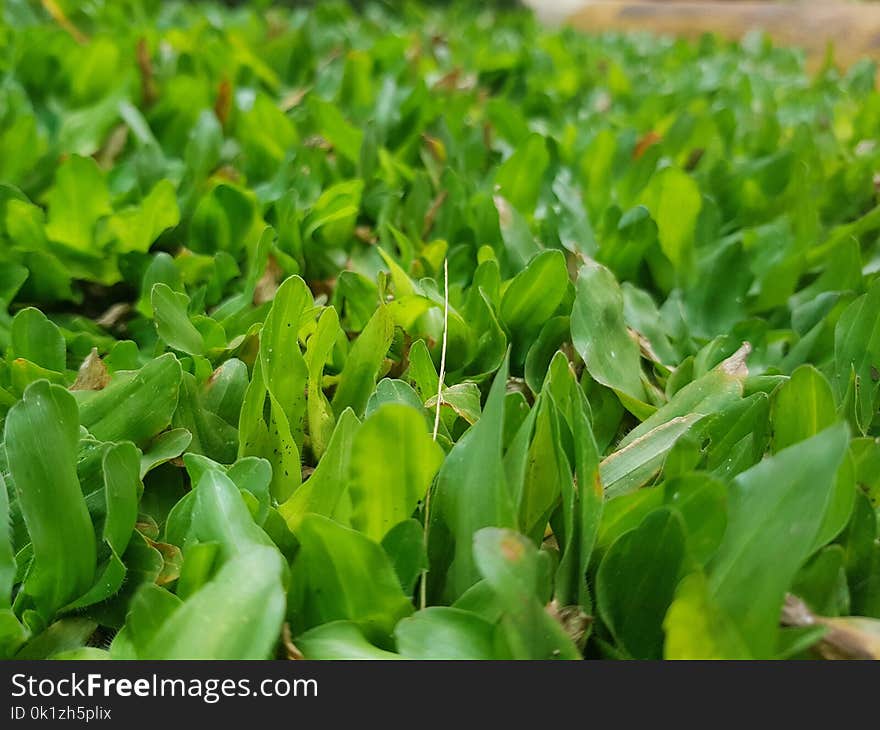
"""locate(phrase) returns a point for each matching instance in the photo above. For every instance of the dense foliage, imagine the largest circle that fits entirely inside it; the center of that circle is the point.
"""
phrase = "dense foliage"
(223, 236)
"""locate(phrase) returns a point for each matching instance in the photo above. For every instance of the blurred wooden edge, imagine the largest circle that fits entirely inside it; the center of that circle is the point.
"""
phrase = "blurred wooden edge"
(852, 29)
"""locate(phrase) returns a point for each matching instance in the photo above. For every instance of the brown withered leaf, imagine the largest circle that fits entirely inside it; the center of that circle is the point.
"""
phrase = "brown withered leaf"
(293, 98)
(113, 315)
(290, 649)
(112, 147)
(173, 560)
(268, 283)
(433, 210)
(92, 374)
(847, 637)
(149, 94)
(573, 620)
(223, 103)
(646, 142)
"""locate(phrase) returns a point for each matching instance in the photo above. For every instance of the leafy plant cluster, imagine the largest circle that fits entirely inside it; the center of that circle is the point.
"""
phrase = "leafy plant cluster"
(223, 309)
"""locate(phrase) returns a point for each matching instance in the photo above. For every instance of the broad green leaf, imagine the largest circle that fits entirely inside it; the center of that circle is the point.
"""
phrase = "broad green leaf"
(166, 446)
(462, 398)
(342, 574)
(471, 493)
(138, 227)
(318, 351)
(283, 368)
(223, 394)
(636, 582)
(173, 322)
(674, 200)
(210, 435)
(393, 462)
(775, 511)
(236, 615)
(33, 337)
(600, 335)
(339, 640)
(697, 628)
(856, 355)
(7, 554)
(136, 406)
(220, 515)
(521, 176)
(57, 520)
(66, 634)
(405, 546)
(445, 633)
(358, 377)
(77, 200)
(321, 492)
(516, 571)
(534, 294)
(802, 407)
(709, 394)
(122, 483)
(583, 498)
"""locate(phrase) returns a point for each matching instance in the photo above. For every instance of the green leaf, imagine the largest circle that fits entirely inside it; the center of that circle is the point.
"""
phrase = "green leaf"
(173, 322)
(445, 633)
(462, 398)
(857, 355)
(471, 493)
(321, 492)
(339, 640)
(674, 200)
(342, 574)
(236, 615)
(517, 571)
(775, 511)
(393, 462)
(220, 515)
(535, 293)
(405, 545)
(802, 407)
(320, 346)
(697, 628)
(165, 447)
(33, 337)
(122, 482)
(599, 333)
(639, 461)
(77, 200)
(7, 554)
(136, 406)
(138, 227)
(57, 520)
(636, 582)
(521, 176)
(358, 377)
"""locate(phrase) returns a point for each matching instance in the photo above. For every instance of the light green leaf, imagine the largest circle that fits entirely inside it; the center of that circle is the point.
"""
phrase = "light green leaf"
(393, 462)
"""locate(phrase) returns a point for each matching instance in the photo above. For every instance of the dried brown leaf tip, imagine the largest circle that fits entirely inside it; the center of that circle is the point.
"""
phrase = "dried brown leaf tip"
(735, 365)
(291, 651)
(574, 621)
(92, 374)
(848, 637)
(149, 93)
(223, 104)
(268, 283)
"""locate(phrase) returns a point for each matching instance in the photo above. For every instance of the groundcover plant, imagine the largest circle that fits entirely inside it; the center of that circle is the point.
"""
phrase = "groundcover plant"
(410, 332)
